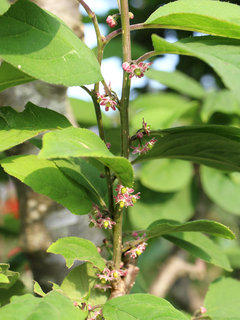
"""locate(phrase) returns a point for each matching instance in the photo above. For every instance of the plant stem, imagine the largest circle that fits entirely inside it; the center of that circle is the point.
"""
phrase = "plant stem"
(126, 44)
(100, 46)
(139, 26)
(102, 136)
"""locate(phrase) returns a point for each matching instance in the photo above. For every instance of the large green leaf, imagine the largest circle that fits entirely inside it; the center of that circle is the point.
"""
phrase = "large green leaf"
(223, 299)
(4, 5)
(86, 176)
(53, 306)
(223, 188)
(140, 307)
(200, 246)
(41, 45)
(207, 16)
(73, 248)
(75, 142)
(166, 175)
(17, 127)
(79, 285)
(159, 110)
(10, 76)
(178, 81)
(17, 289)
(223, 101)
(222, 54)
(161, 227)
(153, 206)
(45, 177)
(214, 146)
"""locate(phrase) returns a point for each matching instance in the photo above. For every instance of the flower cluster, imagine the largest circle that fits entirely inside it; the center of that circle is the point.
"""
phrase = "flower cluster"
(98, 220)
(136, 69)
(106, 101)
(136, 251)
(143, 148)
(107, 276)
(124, 198)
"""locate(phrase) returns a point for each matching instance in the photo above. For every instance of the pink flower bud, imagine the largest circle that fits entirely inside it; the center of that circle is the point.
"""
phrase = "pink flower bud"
(203, 310)
(111, 21)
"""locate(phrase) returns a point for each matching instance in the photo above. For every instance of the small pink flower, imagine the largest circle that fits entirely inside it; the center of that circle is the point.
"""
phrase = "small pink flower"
(75, 303)
(146, 127)
(150, 143)
(203, 310)
(108, 145)
(99, 221)
(106, 101)
(139, 135)
(124, 198)
(95, 315)
(136, 70)
(135, 234)
(136, 251)
(111, 21)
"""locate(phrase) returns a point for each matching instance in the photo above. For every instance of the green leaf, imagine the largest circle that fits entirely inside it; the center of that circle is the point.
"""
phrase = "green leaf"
(73, 248)
(222, 54)
(178, 81)
(4, 5)
(86, 176)
(214, 146)
(201, 247)
(161, 227)
(159, 110)
(140, 307)
(53, 306)
(153, 206)
(223, 299)
(3, 279)
(42, 46)
(17, 289)
(233, 254)
(222, 101)
(84, 113)
(79, 285)
(17, 127)
(166, 175)
(75, 142)
(222, 188)
(7, 277)
(206, 16)
(10, 76)
(45, 177)
(38, 290)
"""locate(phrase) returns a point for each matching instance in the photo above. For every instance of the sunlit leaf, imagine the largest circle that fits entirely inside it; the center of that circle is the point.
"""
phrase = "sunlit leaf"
(206, 16)
(42, 46)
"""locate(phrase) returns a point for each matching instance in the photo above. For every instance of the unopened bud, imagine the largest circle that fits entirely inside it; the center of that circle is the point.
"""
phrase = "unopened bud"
(131, 15)
(103, 281)
(115, 274)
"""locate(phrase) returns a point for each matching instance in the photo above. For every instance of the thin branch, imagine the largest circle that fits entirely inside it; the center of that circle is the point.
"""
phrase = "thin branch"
(133, 27)
(174, 268)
